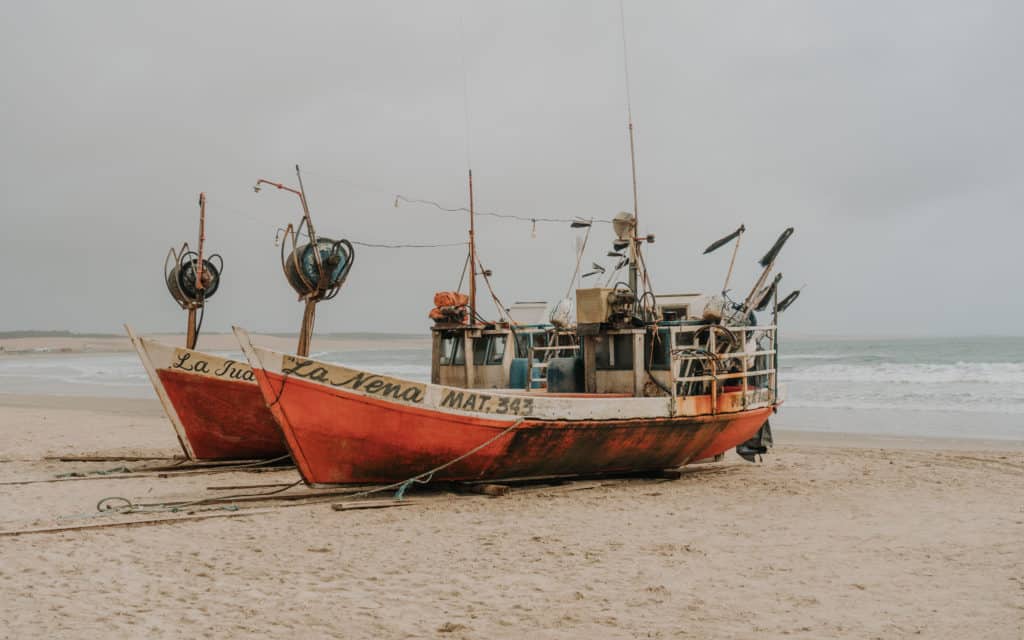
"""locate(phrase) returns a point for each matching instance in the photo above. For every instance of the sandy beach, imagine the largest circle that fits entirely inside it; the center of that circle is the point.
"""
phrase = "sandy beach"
(831, 536)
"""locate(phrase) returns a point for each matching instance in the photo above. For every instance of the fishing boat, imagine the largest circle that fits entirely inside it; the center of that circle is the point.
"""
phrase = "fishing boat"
(637, 382)
(213, 402)
(651, 383)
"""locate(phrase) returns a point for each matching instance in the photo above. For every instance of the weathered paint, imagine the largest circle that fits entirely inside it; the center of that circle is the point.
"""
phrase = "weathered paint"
(223, 419)
(341, 437)
(213, 403)
(346, 426)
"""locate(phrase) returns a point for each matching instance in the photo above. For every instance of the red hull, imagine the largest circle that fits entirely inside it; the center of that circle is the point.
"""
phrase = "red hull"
(223, 419)
(338, 437)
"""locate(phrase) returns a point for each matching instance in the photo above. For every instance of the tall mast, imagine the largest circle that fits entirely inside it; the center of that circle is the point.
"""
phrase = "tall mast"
(634, 242)
(191, 331)
(472, 254)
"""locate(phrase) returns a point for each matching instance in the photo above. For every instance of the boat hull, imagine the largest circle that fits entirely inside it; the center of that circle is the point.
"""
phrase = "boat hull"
(338, 437)
(348, 426)
(214, 404)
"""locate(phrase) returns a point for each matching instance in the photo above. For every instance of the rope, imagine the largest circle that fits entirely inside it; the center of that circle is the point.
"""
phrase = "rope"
(133, 507)
(498, 303)
(379, 245)
(127, 506)
(493, 214)
(428, 476)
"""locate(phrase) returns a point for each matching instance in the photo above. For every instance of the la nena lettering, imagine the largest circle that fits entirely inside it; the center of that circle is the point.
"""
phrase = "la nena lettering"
(369, 383)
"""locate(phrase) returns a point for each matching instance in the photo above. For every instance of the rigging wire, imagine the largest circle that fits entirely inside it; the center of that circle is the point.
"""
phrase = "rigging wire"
(497, 302)
(493, 214)
(373, 245)
(383, 245)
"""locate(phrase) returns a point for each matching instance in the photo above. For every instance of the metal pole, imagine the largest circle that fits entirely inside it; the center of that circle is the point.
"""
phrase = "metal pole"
(306, 333)
(472, 256)
(309, 226)
(732, 262)
(190, 336)
(634, 242)
(202, 240)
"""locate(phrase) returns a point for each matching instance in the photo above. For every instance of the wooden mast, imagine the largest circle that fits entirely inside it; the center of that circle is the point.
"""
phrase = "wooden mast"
(635, 259)
(309, 312)
(472, 255)
(192, 336)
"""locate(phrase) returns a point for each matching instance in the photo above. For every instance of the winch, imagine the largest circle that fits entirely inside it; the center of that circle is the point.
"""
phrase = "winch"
(315, 270)
(191, 278)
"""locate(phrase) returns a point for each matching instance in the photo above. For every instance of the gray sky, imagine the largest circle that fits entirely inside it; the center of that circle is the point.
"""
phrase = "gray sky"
(890, 134)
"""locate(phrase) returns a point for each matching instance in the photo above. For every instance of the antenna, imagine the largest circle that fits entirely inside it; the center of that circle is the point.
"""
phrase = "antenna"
(469, 168)
(634, 245)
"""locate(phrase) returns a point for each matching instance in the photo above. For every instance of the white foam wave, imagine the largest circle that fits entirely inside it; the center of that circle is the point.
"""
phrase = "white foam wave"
(960, 372)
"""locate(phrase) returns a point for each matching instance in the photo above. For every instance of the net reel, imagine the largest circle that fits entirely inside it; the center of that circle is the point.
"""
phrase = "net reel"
(316, 273)
(315, 270)
(181, 274)
(191, 278)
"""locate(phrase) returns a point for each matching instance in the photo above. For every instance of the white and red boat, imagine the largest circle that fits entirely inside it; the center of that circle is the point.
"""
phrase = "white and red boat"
(344, 425)
(214, 403)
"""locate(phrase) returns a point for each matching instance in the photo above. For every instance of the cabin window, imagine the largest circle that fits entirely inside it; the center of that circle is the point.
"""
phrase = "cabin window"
(684, 339)
(615, 352)
(480, 349)
(496, 353)
(656, 350)
(539, 340)
(449, 345)
(523, 342)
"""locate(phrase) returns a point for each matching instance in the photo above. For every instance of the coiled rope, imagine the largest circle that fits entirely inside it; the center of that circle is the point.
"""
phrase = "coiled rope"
(119, 504)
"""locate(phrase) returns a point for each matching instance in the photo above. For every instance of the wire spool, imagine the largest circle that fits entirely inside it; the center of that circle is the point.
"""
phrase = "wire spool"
(181, 277)
(303, 273)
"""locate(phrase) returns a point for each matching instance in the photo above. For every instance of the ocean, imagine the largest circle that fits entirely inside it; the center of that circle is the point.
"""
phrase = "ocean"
(944, 387)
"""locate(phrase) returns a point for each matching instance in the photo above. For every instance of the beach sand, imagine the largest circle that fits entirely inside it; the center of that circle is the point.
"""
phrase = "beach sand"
(832, 536)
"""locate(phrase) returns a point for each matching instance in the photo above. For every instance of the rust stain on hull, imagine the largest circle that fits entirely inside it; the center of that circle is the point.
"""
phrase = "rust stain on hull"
(342, 437)
(223, 419)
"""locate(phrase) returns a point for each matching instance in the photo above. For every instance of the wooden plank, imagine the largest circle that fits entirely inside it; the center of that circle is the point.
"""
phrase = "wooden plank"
(486, 489)
(372, 504)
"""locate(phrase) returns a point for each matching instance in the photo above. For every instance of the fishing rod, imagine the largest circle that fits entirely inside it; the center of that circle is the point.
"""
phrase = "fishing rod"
(768, 262)
(735, 235)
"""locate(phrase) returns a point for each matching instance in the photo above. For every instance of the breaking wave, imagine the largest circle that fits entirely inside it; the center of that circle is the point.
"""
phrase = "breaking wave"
(999, 373)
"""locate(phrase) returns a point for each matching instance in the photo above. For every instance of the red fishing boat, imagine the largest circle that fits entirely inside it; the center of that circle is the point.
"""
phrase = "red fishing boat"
(640, 382)
(344, 425)
(213, 403)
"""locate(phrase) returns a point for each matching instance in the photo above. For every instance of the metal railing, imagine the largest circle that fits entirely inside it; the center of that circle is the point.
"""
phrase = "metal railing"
(542, 366)
(713, 360)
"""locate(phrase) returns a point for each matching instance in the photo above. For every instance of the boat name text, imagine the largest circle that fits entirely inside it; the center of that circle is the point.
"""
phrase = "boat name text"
(230, 369)
(483, 403)
(368, 383)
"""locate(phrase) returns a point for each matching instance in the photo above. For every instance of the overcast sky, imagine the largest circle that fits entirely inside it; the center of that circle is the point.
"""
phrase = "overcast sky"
(890, 134)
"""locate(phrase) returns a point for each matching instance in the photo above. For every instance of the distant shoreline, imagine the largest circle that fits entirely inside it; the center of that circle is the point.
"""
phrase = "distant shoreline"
(27, 343)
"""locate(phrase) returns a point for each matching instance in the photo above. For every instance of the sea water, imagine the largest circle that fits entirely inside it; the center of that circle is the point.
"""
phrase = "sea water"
(948, 387)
